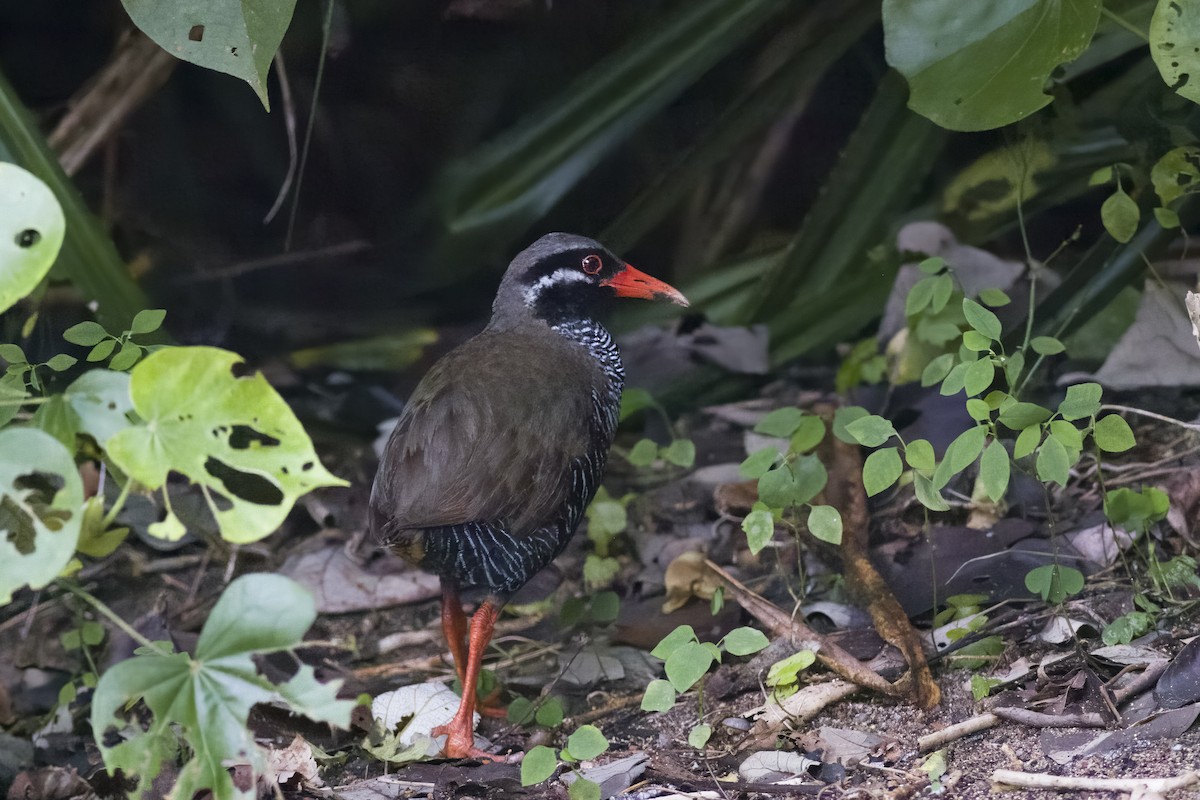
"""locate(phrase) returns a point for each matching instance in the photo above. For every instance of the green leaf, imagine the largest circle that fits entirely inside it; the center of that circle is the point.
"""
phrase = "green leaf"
(781, 422)
(954, 380)
(810, 476)
(538, 765)
(1166, 218)
(586, 743)
(518, 177)
(1053, 464)
(937, 369)
(758, 462)
(960, 454)
(881, 469)
(777, 487)
(100, 398)
(1175, 46)
(825, 523)
(699, 736)
(237, 37)
(994, 297)
(687, 664)
(85, 333)
(1113, 434)
(919, 455)
(976, 67)
(599, 570)
(102, 350)
(58, 419)
(209, 696)
(32, 228)
(978, 410)
(1067, 434)
(61, 362)
(520, 711)
(680, 452)
(147, 320)
(871, 430)
(1101, 176)
(1120, 216)
(843, 417)
(744, 641)
(1127, 627)
(1046, 345)
(643, 453)
(673, 641)
(605, 606)
(606, 517)
(932, 265)
(126, 357)
(237, 439)
(979, 376)
(981, 319)
(1133, 510)
(1177, 173)
(1023, 415)
(583, 789)
(1027, 441)
(1054, 583)
(634, 400)
(550, 713)
(1013, 366)
(919, 296)
(943, 290)
(11, 352)
(759, 526)
(659, 696)
(786, 671)
(928, 496)
(12, 396)
(994, 471)
(808, 435)
(1082, 401)
(976, 342)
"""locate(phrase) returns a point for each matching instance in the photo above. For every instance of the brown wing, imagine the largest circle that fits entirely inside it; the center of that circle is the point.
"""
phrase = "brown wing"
(488, 435)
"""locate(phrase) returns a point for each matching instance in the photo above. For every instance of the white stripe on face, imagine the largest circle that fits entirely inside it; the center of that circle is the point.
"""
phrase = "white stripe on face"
(561, 275)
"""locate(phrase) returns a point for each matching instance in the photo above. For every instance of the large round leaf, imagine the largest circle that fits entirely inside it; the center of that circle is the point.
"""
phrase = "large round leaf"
(1175, 46)
(973, 66)
(31, 232)
(232, 435)
(41, 509)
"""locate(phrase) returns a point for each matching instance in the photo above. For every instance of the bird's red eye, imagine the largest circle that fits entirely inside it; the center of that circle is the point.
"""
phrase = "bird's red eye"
(592, 264)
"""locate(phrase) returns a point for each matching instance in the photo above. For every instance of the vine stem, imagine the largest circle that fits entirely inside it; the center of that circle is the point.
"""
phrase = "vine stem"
(113, 617)
(118, 504)
(1191, 426)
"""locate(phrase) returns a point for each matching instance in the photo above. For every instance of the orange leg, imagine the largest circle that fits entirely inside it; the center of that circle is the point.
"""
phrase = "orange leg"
(454, 628)
(460, 738)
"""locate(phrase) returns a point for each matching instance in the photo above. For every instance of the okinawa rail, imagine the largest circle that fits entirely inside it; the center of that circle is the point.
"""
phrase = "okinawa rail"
(503, 443)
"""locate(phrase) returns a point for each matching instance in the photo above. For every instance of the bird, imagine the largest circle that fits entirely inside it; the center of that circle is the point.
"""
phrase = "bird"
(503, 443)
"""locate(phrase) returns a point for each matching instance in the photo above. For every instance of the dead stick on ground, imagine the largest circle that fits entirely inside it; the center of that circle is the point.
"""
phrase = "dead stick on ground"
(779, 623)
(1146, 786)
(945, 736)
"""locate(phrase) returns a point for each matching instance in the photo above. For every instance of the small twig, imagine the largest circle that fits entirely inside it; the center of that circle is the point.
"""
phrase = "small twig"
(1040, 780)
(1191, 426)
(1038, 719)
(939, 739)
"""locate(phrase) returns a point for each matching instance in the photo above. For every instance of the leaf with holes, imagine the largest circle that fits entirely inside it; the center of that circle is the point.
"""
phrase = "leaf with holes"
(1175, 46)
(32, 228)
(1175, 174)
(207, 697)
(41, 509)
(100, 398)
(237, 37)
(234, 436)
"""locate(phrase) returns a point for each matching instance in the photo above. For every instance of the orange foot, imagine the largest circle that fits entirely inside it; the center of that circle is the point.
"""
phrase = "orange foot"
(460, 743)
(491, 706)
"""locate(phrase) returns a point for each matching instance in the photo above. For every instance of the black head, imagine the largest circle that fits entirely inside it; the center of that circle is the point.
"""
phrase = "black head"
(562, 276)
